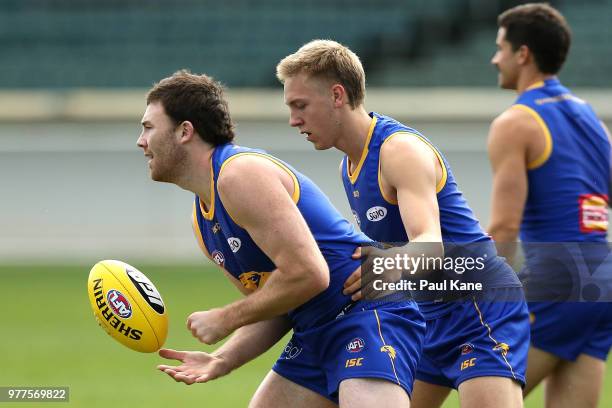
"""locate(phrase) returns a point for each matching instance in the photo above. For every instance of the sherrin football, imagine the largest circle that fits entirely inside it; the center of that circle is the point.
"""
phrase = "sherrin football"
(127, 306)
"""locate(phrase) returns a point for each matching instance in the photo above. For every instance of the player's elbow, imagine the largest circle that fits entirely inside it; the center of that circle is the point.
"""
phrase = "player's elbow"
(504, 232)
(316, 279)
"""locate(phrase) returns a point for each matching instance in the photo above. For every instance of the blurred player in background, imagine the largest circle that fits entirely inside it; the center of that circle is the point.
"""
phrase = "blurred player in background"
(401, 189)
(550, 156)
(282, 243)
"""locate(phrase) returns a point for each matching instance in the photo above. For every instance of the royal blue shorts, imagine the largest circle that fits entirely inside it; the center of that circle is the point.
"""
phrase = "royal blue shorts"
(477, 338)
(372, 340)
(572, 328)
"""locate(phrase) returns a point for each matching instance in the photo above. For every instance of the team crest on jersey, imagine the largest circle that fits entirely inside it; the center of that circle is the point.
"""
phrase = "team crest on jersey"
(218, 257)
(356, 216)
(466, 348)
(234, 244)
(120, 305)
(355, 345)
(376, 213)
(253, 280)
(216, 228)
(356, 193)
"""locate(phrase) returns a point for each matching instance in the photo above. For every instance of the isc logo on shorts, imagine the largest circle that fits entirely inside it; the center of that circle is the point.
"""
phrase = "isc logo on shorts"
(355, 345)
(119, 304)
(376, 214)
(468, 363)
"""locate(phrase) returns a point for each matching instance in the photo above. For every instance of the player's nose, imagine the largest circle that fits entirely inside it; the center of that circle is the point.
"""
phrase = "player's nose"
(295, 121)
(142, 141)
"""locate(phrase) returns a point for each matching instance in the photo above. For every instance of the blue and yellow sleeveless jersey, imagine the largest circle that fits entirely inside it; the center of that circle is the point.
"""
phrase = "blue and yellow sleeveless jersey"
(569, 182)
(231, 247)
(379, 217)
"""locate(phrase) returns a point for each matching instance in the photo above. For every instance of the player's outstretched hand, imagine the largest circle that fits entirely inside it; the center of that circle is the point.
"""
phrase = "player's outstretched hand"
(209, 326)
(196, 367)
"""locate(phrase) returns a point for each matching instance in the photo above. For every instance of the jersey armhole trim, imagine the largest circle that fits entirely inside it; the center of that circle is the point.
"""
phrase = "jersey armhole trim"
(439, 186)
(548, 144)
(295, 197)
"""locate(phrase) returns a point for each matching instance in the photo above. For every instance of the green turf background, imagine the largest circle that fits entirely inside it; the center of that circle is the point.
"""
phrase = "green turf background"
(49, 338)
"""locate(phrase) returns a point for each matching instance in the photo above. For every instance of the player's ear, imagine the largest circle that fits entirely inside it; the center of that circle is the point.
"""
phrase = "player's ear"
(339, 95)
(524, 53)
(187, 131)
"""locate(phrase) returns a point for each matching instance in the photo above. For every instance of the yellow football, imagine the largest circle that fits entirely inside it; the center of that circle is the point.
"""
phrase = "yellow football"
(127, 306)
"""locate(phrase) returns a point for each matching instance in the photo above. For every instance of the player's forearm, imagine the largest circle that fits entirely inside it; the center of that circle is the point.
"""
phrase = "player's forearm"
(505, 238)
(281, 293)
(425, 247)
(250, 341)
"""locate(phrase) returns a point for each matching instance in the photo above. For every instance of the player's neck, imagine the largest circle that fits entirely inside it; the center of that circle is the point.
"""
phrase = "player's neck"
(354, 133)
(198, 174)
(530, 79)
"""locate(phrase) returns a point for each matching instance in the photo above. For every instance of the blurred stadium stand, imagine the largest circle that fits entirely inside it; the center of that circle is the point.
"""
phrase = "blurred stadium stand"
(132, 43)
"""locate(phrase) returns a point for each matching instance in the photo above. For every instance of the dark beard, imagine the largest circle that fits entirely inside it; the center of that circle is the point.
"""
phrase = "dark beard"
(173, 162)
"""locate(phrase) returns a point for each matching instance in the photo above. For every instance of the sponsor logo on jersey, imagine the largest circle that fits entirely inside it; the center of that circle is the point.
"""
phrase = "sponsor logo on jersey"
(234, 244)
(119, 304)
(389, 350)
(376, 213)
(466, 348)
(218, 257)
(593, 212)
(355, 345)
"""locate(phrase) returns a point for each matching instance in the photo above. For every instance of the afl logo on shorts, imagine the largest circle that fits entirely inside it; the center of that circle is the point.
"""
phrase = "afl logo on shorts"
(120, 305)
(218, 257)
(466, 348)
(376, 214)
(356, 345)
(234, 244)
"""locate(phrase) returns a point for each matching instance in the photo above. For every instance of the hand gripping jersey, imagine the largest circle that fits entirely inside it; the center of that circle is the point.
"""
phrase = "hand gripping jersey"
(231, 247)
(569, 182)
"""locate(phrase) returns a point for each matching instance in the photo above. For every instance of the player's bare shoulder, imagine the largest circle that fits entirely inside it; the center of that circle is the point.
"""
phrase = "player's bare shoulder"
(407, 154)
(248, 172)
(514, 127)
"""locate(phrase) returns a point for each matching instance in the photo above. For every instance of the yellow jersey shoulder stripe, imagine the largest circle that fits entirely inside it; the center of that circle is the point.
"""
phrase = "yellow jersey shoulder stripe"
(548, 143)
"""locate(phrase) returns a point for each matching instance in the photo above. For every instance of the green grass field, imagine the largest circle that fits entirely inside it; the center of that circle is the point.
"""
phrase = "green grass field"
(50, 338)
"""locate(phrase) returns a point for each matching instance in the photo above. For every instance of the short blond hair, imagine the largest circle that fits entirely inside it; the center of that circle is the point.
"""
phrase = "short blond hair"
(330, 60)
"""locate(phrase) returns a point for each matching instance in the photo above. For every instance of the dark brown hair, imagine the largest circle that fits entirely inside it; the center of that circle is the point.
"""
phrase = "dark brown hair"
(542, 29)
(197, 99)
